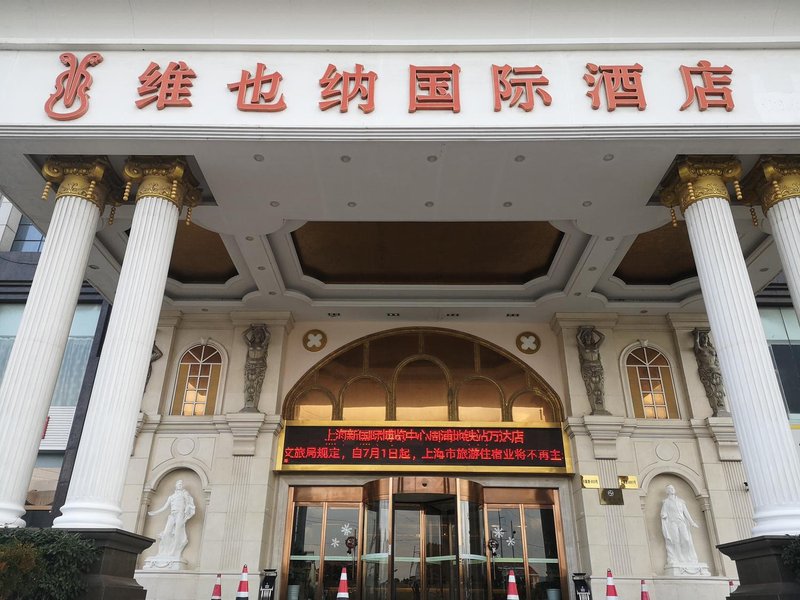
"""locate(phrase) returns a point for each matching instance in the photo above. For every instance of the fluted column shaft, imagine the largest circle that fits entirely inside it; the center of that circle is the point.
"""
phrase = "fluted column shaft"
(768, 452)
(785, 220)
(32, 369)
(33, 365)
(95, 492)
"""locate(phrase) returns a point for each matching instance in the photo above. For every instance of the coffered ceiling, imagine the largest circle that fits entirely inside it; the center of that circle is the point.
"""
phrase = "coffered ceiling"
(417, 229)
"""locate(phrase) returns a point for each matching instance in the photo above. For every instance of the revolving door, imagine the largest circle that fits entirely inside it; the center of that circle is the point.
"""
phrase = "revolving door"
(423, 538)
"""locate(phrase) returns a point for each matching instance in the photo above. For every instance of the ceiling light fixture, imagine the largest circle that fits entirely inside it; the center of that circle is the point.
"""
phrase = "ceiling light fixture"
(433, 158)
(587, 203)
(507, 204)
(519, 158)
(609, 238)
(392, 314)
(93, 267)
(334, 315)
(249, 238)
(608, 157)
(273, 293)
(258, 157)
(262, 268)
(512, 315)
(344, 158)
(592, 269)
(352, 204)
(429, 204)
(274, 203)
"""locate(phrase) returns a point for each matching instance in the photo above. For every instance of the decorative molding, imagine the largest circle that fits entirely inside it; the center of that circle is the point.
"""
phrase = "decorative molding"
(245, 427)
(724, 435)
(697, 178)
(604, 431)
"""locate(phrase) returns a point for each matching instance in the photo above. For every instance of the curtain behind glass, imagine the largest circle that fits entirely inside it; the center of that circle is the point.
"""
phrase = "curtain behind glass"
(70, 377)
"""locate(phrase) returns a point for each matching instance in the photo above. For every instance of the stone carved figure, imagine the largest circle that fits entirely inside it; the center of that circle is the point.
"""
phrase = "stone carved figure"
(255, 367)
(155, 354)
(675, 523)
(172, 540)
(708, 369)
(589, 341)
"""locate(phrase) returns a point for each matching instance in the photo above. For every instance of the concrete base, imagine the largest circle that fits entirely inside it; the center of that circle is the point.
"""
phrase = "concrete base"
(761, 571)
(111, 576)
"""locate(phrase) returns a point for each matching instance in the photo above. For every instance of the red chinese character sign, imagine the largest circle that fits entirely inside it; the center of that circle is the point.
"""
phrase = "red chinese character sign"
(714, 91)
(434, 88)
(523, 84)
(620, 84)
(340, 446)
(263, 91)
(170, 88)
(71, 85)
(340, 88)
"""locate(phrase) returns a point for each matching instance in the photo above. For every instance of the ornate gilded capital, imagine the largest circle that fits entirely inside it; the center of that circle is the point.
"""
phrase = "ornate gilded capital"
(90, 178)
(697, 178)
(163, 177)
(777, 178)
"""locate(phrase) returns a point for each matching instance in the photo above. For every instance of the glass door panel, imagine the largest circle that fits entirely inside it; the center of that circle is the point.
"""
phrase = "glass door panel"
(504, 527)
(441, 551)
(375, 551)
(542, 551)
(341, 523)
(304, 556)
(472, 550)
(407, 552)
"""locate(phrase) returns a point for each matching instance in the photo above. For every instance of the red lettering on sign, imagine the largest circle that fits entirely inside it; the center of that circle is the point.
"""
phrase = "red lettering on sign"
(513, 89)
(434, 88)
(345, 86)
(714, 92)
(261, 99)
(621, 84)
(72, 84)
(170, 88)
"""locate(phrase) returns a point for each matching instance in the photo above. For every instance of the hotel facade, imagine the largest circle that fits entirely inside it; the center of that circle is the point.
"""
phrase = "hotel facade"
(431, 292)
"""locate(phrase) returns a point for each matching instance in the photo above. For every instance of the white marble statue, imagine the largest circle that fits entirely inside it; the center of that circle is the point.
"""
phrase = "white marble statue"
(172, 540)
(675, 523)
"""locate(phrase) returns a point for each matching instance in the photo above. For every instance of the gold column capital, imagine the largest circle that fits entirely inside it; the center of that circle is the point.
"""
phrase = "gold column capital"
(697, 178)
(88, 177)
(776, 178)
(163, 177)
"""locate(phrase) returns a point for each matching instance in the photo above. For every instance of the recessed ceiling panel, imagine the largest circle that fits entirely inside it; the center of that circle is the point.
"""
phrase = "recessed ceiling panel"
(662, 256)
(453, 253)
(200, 256)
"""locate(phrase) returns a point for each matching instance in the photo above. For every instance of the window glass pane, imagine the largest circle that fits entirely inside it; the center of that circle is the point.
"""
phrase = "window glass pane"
(43, 483)
(530, 407)
(421, 392)
(787, 361)
(305, 553)
(479, 400)
(314, 405)
(364, 400)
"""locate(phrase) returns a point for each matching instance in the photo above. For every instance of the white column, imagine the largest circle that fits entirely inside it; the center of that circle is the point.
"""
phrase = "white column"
(35, 359)
(768, 452)
(785, 220)
(95, 491)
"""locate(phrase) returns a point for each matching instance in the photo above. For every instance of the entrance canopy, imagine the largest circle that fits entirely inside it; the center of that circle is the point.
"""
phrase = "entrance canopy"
(339, 181)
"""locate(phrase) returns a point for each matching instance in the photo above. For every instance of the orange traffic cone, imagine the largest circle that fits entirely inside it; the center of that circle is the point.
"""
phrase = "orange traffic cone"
(512, 586)
(216, 594)
(343, 593)
(611, 589)
(244, 587)
(645, 593)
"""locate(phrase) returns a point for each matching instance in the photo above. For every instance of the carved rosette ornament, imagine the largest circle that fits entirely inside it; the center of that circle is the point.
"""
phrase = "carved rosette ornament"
(708, 369)
(162, 177)
(87, 177)
(697, 178)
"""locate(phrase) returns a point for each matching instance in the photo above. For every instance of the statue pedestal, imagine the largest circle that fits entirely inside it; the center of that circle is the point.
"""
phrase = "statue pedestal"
(687, 570)
(165, 563)
(111, 575)
(762, 573)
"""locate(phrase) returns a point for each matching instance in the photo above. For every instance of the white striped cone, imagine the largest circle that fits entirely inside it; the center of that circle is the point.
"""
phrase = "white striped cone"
(216, 594)
(611, 589)
(343, 593)
(645, 593)
(513, 594)
(244, 587)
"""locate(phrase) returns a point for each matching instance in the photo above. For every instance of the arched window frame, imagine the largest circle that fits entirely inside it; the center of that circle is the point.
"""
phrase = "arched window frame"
(630, 393)
(534, 382)
(169, 402)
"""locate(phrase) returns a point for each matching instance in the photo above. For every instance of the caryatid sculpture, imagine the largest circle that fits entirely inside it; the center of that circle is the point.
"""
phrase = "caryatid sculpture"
(255, 367)
(589, 341)
(675, 523)
(708, 369)
(173, 539)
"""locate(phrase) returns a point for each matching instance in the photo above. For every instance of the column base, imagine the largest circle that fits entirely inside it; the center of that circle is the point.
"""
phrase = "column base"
(761, 571)
(111, 575)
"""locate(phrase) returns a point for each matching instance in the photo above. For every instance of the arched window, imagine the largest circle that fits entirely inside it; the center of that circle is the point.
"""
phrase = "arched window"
(198, 381)
(423, 375)
(652, 389)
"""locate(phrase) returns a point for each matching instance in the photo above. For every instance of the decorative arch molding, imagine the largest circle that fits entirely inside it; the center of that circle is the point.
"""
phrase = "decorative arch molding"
(692, 478)
(169, 466)
(328, 369)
